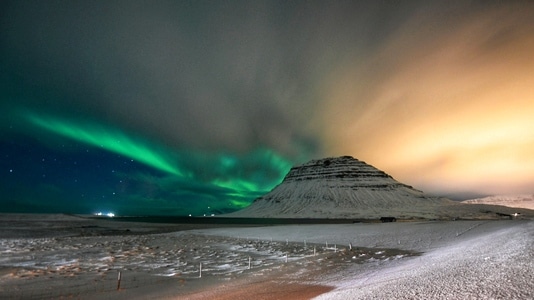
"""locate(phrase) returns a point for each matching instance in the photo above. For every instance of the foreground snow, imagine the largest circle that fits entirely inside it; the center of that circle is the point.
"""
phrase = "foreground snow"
(461, 260)
(65, 257)
(47, 258)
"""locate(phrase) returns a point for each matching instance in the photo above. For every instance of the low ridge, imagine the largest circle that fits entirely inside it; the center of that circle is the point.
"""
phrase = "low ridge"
(519, 201)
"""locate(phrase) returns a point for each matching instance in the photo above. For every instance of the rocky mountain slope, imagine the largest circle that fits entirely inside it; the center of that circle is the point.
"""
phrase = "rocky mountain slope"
(345, 187)
(520, 201)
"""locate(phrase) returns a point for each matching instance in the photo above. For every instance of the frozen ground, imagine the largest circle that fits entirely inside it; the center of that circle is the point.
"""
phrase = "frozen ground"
(43, 258)
(461, 260)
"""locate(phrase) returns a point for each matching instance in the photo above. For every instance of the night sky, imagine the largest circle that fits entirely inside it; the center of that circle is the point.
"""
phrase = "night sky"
(199, 107)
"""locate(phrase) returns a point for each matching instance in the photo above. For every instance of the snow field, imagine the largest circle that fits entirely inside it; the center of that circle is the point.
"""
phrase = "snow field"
(461, 260)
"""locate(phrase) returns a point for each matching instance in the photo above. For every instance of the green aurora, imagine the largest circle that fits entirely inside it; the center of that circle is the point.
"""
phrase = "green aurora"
(107, 138)
(238, 178)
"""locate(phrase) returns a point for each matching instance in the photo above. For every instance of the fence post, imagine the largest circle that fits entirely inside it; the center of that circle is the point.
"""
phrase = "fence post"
(119, 281)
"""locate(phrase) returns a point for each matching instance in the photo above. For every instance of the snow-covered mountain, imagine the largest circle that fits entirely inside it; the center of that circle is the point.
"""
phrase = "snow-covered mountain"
(521, 201)
(345, 187)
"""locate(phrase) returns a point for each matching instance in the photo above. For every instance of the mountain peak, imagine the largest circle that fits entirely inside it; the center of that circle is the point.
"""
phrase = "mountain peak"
(347, 188)
(337, 187)
(344, 169)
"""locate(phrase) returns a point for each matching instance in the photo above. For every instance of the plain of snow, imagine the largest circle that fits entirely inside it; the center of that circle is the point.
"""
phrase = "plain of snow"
(460, 260)
(65, 256)
(61, 256)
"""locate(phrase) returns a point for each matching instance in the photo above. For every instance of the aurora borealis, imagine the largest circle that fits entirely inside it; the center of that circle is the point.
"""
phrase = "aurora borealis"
(148, 173)
(98, 136)
(198, 107)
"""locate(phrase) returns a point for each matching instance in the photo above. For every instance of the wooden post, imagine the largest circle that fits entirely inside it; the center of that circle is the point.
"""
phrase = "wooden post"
(326, 244)
(335, 247)
(249, 262)
(314, 253)
(119, 281)
(350, 246)
(286, 257)
(200, 271)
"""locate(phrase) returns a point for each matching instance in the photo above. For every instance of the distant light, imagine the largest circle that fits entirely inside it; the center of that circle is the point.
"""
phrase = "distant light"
(212, 215)
(109, 214)
(190, 215)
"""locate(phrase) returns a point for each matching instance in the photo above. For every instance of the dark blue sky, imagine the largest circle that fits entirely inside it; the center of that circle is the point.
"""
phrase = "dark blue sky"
(198, 107)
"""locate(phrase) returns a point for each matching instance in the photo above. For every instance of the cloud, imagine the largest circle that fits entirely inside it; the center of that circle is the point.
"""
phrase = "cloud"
(205, 76)
(437, 93)
(445, 107)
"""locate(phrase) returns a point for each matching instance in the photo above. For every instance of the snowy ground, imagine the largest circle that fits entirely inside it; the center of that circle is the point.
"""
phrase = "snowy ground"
(80, 258)
(413, 260)
(461, 260)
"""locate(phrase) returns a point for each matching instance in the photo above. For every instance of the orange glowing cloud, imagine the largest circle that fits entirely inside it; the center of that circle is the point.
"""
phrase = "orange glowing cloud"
(447, 103)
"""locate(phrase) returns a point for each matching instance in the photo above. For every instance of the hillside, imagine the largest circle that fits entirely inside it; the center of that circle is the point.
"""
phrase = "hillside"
(344, 187)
